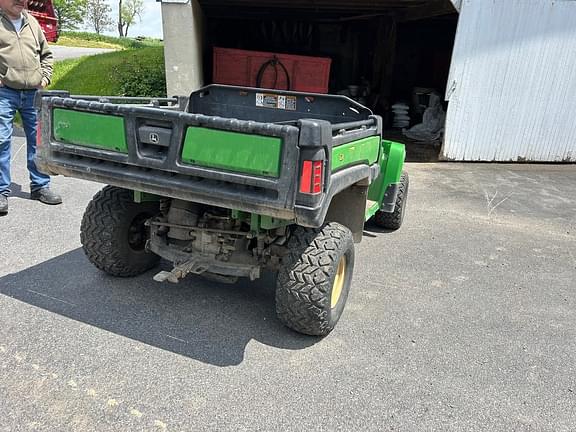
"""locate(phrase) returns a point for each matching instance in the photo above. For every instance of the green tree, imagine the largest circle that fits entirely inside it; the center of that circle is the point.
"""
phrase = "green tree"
(130, 11)
(70, 13)
(98, 15)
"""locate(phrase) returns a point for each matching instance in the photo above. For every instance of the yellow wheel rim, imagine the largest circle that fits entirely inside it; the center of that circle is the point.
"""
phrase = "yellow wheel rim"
(338, 282)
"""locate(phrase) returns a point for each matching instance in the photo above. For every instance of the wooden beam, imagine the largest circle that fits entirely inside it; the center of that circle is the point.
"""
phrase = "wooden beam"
(343, 5)
(432, 9)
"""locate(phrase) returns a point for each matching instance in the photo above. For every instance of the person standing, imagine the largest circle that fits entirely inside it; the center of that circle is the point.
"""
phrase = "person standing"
(25, 67)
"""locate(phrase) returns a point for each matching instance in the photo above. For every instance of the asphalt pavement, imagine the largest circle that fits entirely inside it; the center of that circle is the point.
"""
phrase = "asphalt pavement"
(463, 320)
(64, 52)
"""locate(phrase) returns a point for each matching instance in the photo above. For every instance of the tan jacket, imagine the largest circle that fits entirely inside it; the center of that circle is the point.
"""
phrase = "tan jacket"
(25, 57)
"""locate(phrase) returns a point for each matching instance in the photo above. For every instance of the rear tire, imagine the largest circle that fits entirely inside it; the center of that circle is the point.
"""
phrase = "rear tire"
(315, 278)
(113, 233)
(393, 221)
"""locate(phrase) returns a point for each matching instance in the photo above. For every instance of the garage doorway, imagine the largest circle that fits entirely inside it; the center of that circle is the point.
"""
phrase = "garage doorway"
(384, 54)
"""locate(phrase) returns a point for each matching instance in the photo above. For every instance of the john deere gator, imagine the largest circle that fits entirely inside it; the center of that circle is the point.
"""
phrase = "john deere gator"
(227, 183)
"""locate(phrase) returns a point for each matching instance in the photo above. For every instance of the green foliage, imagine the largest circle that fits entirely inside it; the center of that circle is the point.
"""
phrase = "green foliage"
(98, 15)
(111, 40)
(135, 72)
(142, 73)
(70, 13)
(131, 11)
(91, 75)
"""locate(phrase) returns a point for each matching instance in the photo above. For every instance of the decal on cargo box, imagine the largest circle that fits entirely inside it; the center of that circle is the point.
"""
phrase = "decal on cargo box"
(268, 100)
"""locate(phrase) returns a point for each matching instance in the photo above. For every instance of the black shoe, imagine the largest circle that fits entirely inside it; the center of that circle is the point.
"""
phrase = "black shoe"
(46, 196)
(3, 204)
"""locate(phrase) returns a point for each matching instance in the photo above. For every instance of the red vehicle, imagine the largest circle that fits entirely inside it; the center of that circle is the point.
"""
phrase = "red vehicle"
(43, 11)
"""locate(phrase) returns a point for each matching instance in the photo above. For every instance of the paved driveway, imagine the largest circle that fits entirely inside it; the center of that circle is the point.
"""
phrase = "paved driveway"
(464, 320)
(64, 52)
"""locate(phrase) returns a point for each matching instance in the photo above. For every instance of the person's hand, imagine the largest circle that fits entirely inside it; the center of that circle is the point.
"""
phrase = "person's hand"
(44, 83)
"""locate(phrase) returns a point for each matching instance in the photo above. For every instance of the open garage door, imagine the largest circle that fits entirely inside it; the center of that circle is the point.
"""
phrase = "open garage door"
(380, 52)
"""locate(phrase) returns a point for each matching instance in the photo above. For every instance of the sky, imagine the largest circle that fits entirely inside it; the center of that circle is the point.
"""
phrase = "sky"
(151, 24)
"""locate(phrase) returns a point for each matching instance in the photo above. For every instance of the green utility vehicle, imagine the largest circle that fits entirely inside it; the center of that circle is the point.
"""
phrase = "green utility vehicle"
(227, 183)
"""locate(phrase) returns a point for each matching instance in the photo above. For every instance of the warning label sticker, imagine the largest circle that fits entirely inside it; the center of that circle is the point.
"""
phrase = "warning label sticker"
(269, 100)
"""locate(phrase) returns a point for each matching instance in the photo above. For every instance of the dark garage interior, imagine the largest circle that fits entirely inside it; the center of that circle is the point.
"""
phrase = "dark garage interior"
(391, 55)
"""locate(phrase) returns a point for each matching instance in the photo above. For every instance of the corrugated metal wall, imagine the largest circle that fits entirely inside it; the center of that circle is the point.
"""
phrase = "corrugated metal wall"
(512, 84)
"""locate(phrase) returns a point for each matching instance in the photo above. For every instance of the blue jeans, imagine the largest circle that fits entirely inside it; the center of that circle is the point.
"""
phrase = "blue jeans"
(12, 100)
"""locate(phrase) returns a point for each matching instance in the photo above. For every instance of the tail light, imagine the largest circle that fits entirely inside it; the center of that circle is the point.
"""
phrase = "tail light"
(311, 177)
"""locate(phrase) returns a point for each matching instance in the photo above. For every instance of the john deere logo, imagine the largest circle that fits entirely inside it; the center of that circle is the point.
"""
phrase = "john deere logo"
(341, 157)
(154, 138)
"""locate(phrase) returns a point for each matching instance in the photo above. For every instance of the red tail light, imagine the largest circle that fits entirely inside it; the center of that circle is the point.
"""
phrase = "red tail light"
(311, 177)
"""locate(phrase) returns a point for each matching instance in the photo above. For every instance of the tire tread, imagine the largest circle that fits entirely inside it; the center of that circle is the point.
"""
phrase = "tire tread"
(99, 236)
(393, 221)
(303, 282)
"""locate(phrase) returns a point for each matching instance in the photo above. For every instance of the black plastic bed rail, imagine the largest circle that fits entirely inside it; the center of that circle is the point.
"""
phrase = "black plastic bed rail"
(276, 197)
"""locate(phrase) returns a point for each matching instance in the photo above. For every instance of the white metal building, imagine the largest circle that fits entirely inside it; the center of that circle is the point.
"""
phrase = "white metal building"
(510, 84)
(512, 87)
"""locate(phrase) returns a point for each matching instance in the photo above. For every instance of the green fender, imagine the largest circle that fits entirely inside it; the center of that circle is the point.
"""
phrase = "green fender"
(391, 166)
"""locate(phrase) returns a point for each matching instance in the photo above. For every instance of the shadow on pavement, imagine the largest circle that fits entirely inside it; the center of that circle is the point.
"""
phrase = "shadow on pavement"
(371, 229)
(16, 191)
(196, 318)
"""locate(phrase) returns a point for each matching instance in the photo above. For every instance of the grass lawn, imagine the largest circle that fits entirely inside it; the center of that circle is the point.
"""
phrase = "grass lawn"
(93, 40)
(71, 41)
(131, 72)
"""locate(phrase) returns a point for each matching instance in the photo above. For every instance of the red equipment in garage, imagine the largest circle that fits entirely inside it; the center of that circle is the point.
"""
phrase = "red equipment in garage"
(271, 70)
(43, 11)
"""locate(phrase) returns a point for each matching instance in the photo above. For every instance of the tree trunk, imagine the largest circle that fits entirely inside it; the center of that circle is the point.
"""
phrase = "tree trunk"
(120, 23)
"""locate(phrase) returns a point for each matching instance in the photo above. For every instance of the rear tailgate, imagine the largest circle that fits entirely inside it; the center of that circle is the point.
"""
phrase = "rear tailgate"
(239, 164)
